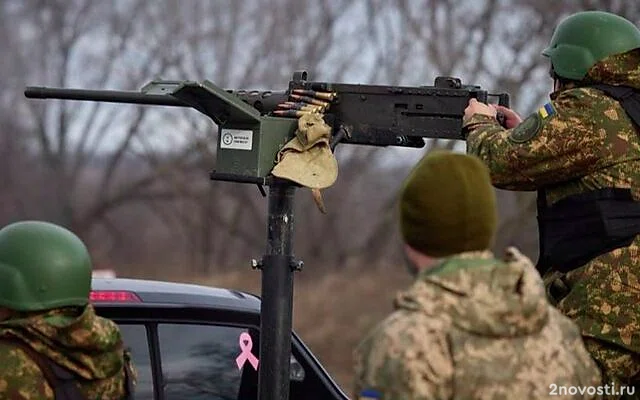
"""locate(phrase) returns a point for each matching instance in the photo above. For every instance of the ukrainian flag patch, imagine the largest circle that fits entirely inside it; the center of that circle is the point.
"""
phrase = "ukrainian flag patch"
(369, 394)
(547, 111)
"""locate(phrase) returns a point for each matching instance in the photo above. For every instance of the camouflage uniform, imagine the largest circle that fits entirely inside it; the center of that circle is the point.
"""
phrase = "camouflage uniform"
(474, 327)
(582, 140)
(52, 344)
(74, 338)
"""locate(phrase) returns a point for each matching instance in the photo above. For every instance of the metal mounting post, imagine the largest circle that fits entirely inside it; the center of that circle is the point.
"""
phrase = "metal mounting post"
(276, 311)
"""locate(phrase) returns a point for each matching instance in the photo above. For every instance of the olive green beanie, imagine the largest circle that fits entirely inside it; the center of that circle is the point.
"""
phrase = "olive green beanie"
(448, 205)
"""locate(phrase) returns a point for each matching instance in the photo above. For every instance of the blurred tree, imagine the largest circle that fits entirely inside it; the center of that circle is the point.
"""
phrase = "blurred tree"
(133, 181)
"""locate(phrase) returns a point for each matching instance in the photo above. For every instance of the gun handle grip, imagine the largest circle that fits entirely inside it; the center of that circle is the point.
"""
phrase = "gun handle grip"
(501, 118)
(503, 99)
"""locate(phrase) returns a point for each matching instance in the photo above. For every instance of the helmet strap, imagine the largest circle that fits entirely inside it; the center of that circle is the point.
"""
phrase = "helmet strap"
(560, 83)
(5, 314)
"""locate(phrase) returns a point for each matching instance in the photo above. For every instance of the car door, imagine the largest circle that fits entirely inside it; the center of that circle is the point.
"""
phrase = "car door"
(188, 360)
(197, 354)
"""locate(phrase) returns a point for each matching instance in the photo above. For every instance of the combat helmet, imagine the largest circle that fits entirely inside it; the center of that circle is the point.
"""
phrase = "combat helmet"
(42, 266)
(584, 38)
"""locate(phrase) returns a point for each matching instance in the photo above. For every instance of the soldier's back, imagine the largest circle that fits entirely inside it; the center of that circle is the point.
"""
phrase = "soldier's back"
(83, 347)
(477, 328)
(552, 364)
(22, 378)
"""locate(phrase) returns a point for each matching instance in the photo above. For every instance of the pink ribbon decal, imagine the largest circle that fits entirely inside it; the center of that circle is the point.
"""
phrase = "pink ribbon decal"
(245, 345)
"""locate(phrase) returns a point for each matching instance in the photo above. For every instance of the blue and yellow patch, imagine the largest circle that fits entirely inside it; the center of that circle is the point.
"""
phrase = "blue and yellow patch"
(531, 126)
(369, 394)
(547, 111)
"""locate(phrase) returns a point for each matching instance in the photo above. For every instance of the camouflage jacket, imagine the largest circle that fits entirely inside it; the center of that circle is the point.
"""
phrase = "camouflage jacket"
(580, 141)
(77, 339)
(473, 328)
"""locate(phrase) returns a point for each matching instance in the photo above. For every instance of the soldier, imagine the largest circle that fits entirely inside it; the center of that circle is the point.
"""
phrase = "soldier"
(52, 344)
(471, 326)
(581, 153)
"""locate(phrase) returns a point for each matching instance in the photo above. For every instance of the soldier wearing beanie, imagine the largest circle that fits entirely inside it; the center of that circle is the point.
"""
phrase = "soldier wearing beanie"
(471, 326)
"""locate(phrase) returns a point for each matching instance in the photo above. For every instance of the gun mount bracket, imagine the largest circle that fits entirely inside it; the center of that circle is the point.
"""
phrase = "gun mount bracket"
(224, 177)
(221, 176)
(341, 133)
(295, 265)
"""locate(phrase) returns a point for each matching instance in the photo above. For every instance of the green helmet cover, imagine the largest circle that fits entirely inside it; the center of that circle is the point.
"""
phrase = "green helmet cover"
(42, 266)
(584, 38)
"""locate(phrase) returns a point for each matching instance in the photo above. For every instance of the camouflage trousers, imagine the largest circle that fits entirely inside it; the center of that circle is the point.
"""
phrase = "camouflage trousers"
(603, 299)
(619, 367)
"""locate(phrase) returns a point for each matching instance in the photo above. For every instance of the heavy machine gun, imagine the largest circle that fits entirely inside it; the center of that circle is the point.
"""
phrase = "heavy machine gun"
(253, 127)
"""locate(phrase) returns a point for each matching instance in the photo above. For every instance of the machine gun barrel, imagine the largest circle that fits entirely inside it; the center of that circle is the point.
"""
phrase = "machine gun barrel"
(111, 96)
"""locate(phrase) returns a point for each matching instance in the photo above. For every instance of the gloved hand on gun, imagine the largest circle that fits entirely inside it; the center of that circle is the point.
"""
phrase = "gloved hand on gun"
(506, 116)
(308, 159)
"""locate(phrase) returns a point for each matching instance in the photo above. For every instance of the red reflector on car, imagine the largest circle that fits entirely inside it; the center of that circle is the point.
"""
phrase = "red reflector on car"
(113, 296)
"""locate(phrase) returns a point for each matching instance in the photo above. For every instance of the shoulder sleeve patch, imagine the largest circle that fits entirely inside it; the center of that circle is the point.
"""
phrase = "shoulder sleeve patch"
(369, 394)
(546, 111)
(527, 129)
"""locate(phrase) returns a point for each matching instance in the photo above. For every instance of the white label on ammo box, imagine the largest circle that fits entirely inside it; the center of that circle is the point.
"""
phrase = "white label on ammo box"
(236, 139)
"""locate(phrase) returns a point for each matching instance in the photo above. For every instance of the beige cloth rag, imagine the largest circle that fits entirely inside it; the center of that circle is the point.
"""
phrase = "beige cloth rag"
(307, 159)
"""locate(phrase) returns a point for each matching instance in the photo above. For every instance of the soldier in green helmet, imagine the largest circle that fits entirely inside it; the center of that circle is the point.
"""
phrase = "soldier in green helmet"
(581, 153)
(52, 344)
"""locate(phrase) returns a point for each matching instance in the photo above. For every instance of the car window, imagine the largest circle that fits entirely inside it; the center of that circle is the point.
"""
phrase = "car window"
(199, 361)
(135, 338)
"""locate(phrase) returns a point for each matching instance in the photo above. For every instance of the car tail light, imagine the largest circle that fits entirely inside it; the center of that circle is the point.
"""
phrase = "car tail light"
(113, 296)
